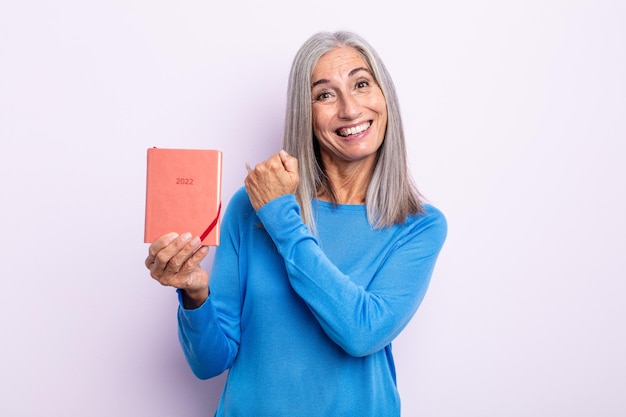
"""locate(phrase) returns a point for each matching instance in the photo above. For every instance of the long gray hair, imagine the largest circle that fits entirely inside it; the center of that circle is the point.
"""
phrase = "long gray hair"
(391, 194)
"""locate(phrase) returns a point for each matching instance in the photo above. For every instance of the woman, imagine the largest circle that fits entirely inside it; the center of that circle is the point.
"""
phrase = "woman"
(325, 255)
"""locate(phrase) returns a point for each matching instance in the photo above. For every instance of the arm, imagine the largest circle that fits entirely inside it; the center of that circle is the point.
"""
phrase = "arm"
(361, 319)
(209, 335)
(207, 348)
(174, 261)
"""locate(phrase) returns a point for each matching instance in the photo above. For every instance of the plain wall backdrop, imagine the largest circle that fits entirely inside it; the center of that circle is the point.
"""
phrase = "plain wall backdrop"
(515, 117)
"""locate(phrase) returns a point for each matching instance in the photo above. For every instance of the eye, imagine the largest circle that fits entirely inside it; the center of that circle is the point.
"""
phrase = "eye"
(362, 84)
(324, 96)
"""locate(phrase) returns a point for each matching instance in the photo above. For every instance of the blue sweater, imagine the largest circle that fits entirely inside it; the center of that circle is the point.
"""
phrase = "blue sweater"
(304, 324)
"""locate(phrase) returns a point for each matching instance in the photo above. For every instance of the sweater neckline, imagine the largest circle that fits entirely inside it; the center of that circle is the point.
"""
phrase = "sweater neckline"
(347, 207)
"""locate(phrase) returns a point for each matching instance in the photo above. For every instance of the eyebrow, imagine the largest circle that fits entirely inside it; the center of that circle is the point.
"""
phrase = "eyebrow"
(350, 74)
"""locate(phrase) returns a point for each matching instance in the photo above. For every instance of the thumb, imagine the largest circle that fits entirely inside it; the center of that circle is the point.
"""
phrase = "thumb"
(289, 162)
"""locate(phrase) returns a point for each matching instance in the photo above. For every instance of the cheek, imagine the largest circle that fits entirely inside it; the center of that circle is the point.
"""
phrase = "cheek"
(382, 111)
(319, 121)
(381, 104)
(316, 129)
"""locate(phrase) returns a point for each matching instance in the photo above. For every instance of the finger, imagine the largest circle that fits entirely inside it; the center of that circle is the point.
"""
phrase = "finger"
(187, 275)
(166, 253)
(178, 260)
(277, 162)
(194, 260)
(283, 155)
(289, 162)
(157, 245)
(270, 165)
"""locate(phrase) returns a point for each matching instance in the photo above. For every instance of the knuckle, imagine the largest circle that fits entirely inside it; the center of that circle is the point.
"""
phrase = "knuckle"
(174, 263)
(162, 258)
(152, 250)
(165, 282)
(156, 276)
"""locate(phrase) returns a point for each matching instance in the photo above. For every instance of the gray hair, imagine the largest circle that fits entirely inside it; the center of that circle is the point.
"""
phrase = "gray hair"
(391, 195)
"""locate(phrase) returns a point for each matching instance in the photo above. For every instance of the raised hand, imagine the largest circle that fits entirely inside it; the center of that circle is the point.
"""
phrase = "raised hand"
(271, 179)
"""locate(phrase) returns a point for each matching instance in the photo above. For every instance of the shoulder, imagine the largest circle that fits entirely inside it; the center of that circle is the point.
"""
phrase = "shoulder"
(431, 221)
(239, 205)
(240, 198)
(432, 214)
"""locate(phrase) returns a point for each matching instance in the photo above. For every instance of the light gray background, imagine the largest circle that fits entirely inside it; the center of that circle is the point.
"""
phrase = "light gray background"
(514, 112)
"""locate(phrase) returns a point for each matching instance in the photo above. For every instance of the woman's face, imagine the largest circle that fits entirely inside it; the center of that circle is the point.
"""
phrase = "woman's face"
(349, 109)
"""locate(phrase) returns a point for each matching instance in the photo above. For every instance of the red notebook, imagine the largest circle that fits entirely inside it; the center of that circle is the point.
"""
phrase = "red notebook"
(183, 193)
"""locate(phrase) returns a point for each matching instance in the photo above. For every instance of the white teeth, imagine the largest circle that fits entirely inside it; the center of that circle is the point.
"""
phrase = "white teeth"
(354, 130)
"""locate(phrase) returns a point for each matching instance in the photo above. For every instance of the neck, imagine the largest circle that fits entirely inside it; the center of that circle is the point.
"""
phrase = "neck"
(349, 182)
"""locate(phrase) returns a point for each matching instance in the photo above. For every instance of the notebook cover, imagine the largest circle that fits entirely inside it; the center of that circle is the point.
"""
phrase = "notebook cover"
(183, 193)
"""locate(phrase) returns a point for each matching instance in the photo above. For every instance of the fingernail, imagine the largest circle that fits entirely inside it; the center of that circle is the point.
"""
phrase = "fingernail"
(170, 237)
(185, 236)
(195, 241)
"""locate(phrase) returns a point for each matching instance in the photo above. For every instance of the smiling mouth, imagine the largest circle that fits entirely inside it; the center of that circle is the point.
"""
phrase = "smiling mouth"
(355, 130)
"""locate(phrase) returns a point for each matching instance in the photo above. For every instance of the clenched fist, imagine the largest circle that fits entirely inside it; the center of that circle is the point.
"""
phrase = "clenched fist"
(271, 179)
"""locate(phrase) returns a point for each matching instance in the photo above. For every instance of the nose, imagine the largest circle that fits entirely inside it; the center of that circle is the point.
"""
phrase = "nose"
(349, 107)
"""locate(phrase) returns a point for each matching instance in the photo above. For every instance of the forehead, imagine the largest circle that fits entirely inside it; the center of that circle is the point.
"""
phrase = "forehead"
(338, 61)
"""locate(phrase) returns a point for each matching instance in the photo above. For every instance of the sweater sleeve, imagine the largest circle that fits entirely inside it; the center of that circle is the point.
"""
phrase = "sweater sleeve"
(207, 348)
(361, 320)
(210, 335)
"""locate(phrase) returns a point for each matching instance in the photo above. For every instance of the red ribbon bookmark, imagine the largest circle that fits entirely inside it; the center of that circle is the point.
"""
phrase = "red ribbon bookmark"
(213, 223)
